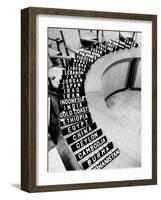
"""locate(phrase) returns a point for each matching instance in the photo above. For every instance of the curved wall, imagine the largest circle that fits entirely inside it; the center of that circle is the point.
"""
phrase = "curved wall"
(115, 78)
(137, 81)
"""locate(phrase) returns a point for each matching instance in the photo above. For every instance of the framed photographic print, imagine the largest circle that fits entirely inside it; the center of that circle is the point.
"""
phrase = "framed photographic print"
(88, 99)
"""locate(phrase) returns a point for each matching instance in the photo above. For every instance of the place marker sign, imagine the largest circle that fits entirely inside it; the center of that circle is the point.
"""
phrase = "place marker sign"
(72, 100)
(99, 154)
(77, 126)
(68, 81)
(75, 119)
(91, 148)
(72, 90)
(81, 143)
(73, 106)
(69, 113)
(81, 133)
(109, 158)
(71, 85)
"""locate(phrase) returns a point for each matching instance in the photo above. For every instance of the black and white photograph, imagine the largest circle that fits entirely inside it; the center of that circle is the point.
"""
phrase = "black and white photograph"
(89, 99)
(94, 99)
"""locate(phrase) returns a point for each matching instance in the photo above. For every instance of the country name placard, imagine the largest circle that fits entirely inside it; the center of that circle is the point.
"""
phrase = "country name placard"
(73, 106)
(82, 154)
(65, 114)
(107, 160)
(76, 69)
(76, 146)
(79, 67)
(71, 101)
(69, 72)
(72, 90)
(71, 85)
(71, 79)
(73, 76)
(91, 160)
(77, 126)
(75, 119)
(68, 81)
(70, 95)
(84, 58)
(81, 133)
(79, 60)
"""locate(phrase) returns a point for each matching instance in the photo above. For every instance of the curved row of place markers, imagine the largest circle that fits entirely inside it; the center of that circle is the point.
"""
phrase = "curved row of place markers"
(91, 148)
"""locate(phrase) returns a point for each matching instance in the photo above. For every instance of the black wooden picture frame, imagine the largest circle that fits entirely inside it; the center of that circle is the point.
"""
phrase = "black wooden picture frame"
(28, 98)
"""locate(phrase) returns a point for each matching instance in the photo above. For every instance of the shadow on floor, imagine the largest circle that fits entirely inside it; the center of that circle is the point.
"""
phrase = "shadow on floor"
(15, 185)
